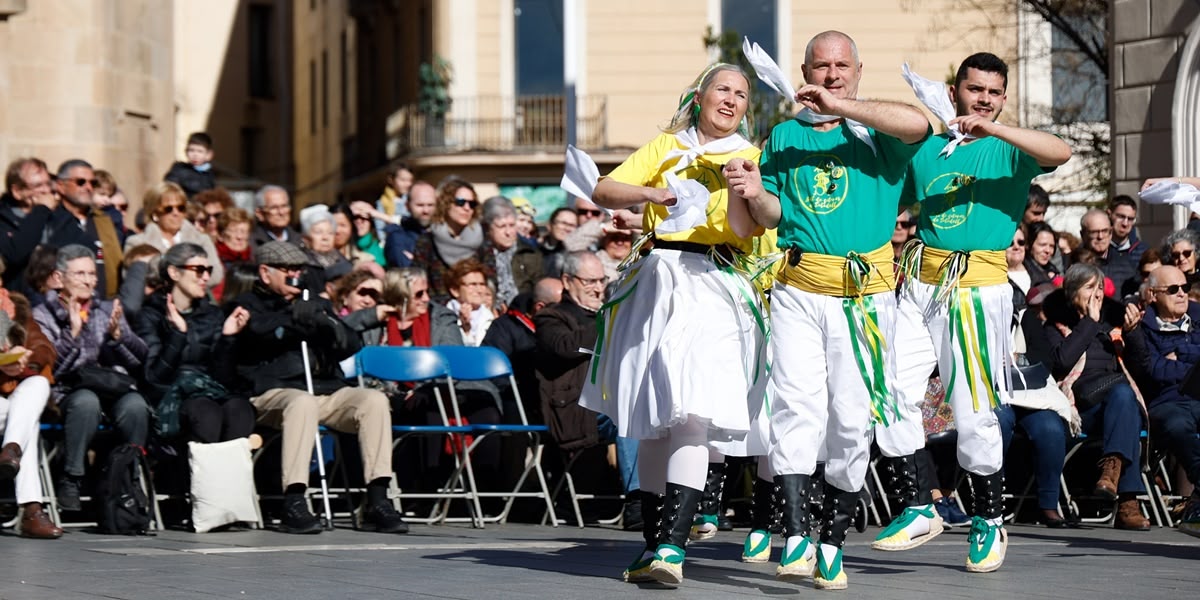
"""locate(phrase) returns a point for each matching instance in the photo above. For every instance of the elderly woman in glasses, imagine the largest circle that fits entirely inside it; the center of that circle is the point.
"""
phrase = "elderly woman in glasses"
(514, 263)
(189, 341)
(165, 205)
(318, 229)
(1180, 250)
(454, 234)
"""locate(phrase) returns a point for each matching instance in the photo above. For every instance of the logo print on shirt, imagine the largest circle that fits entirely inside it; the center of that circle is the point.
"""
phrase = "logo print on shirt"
(824, 185)
(709, 176)
(949, 198)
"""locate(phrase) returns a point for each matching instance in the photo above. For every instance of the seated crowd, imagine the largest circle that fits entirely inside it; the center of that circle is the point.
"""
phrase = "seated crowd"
(206, 307)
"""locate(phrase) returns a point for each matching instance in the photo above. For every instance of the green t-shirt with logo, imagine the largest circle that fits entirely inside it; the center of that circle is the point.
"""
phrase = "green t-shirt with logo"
(836, 195)
(972, 199)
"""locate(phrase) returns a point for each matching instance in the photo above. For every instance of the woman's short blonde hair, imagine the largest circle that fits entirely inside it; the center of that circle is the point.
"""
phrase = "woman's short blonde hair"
(156, 195)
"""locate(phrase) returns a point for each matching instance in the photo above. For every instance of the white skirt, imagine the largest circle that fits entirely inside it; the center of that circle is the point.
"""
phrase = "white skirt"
(680, 338)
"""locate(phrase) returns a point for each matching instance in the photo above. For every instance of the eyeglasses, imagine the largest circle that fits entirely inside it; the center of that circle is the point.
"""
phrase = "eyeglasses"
(1182, 254)
(82, 274)
(1171, 290)
(1117, 217)
(1018, 244)
(367, 292)
(588, 212)
(286, 268)
(1097, 232)
(586, 281)
(80, 181)
(276, 208)
(460, 202)
(166, 209)
(199, 270)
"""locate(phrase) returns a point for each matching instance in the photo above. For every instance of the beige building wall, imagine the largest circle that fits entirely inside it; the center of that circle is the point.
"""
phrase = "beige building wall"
(321, 120)
(91, 80)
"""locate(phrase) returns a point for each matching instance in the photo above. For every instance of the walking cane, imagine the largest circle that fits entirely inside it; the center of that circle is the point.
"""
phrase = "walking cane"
(317, 435)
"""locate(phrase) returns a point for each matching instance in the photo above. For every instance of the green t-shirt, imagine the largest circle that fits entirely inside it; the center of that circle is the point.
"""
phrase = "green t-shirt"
(836, 195)
(972, 199)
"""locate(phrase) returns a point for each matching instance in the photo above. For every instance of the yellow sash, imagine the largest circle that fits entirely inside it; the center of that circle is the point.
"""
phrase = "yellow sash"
(842, 276)
(984, 267)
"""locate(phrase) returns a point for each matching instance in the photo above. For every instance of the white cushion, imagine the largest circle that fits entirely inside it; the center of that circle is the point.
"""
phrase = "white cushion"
(222, 484)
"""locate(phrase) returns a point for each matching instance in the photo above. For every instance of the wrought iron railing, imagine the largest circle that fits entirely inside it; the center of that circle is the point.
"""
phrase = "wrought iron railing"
(497, 124)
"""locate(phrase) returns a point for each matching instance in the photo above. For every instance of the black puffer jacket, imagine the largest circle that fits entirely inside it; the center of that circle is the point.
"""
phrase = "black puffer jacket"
(170, 351)
(1087, 336)
(192, 181)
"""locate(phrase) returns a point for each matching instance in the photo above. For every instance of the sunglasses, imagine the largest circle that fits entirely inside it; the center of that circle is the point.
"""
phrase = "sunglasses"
(1171, 290)
(1019, 243)
(466, 202)
(371, 293)
(904, 224)
(362, 218)
(166, 209)
(589, 212)
(420, 294)
(199, 270)
(80, 181)
(1182, 254)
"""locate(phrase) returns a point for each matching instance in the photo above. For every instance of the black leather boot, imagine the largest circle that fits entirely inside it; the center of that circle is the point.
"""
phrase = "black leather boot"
(765, 517)
(705, 526)
(679, 510)
(989, 495)
(900, 479)
(639, 570)
(987, 540)
(797, 522)
(839, 512)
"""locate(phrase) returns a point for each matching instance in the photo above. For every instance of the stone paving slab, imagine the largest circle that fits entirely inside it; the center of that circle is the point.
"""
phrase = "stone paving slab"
(527, 561)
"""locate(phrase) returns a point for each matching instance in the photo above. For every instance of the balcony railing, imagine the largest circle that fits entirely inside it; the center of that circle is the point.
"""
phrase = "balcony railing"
(497, 124)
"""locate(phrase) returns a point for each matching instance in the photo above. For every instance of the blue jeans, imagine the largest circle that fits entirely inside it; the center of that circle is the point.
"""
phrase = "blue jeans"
(1118, 419)
(1048, 434)
(627, 452)
(1175, 425)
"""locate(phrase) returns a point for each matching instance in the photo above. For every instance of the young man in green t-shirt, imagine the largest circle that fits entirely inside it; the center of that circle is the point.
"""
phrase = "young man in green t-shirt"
(955, 310)
(830, 181)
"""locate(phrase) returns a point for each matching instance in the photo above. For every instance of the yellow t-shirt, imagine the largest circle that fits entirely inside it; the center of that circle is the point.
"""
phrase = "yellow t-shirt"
(646, 168)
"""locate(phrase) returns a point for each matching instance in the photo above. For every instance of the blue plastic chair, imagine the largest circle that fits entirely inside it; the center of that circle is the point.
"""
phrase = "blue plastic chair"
(468, 363)
(412, 365)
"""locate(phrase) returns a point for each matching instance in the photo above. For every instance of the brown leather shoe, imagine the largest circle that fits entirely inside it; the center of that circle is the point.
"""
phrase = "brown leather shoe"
(10, 460)
(35, 523)
(1110, 473)
(1129, 515)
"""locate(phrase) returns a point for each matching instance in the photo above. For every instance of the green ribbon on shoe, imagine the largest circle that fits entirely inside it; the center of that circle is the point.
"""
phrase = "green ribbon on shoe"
(905, 519)
(981, 538)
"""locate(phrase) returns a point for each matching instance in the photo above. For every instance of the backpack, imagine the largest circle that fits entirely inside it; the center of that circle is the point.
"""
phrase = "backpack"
(125, 508)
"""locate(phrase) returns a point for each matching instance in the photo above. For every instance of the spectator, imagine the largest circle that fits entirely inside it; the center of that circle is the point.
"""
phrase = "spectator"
(1036, 206)
(196, 174)
(1173, 345)
(1040, 251)
(1150, 260)
(401, 237)
(344, 235)
(233, 237)
(1018, 275)
(356, 291)
(366, 238)
(468, 291)
(564, 329)
(1096, 229)
(394, 200)
(454, 234)
(615, 246)
(1181, 246)
(139, 278)
(167, 206)
(1068, 246)
(214, 203)
(77, 221)
(271, 369)
(563, 222)
(239, 279)
(25, 390)
(90, 335)
(514, 334)
(273, 211)
(25, 209)
(527, 228)
(1084, 356)
(317, 228)
(105, 197)
(586, 210)
(906, 229)
(514, 264)
(40, 274)
(1123, 212)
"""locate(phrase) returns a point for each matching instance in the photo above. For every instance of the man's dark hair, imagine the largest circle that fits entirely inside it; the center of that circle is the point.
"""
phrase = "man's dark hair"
(65, 168)
(12, 177)
(1122, 200)
(200, 139)
(1038, 197)
(395, 168)
(983, 61)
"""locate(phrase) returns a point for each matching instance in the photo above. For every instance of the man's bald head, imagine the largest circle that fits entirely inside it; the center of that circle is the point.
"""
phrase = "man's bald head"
(827, 37)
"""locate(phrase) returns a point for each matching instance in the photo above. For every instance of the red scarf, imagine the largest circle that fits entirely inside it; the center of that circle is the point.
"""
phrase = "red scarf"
(229, 256)
(420, 332)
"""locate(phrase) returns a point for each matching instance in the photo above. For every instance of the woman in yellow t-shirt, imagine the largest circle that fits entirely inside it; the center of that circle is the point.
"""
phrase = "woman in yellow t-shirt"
(679, 363)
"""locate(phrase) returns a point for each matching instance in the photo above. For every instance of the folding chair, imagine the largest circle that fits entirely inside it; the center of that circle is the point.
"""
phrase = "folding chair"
(576, 496)
(484, 363)
(408, 365)
(1147, 497)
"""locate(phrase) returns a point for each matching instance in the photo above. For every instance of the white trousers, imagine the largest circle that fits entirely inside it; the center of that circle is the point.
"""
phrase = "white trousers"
(923, 341)
(20, 415)
(821, 406)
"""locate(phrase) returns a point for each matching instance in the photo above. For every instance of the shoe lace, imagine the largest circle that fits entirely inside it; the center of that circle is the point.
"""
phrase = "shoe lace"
(979, 531)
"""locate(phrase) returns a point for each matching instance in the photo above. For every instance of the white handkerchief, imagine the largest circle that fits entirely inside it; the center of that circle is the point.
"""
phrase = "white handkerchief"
(859, 130)
(934, 96)
(580, 173)
(767, 70)
(692, 148)
(1172, 192)
(691, 202)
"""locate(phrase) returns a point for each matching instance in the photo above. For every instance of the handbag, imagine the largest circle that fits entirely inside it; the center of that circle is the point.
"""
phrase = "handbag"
(105, 382)
(1095, 390)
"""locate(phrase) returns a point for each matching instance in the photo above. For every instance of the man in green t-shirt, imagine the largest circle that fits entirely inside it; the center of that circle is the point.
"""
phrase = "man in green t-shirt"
(830, 181)
(956, 303)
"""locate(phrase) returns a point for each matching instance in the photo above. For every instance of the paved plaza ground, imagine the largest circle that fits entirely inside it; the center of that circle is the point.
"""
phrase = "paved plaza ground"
(526, 561)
